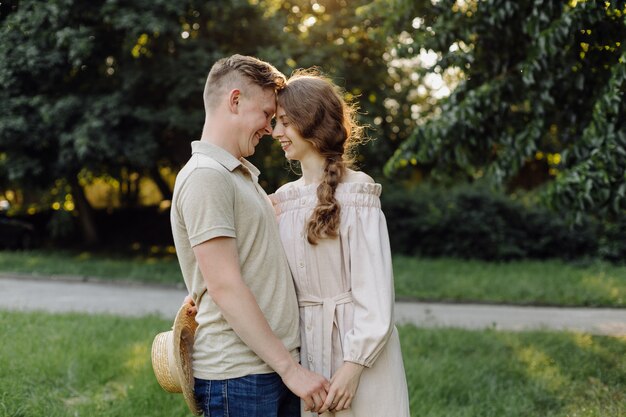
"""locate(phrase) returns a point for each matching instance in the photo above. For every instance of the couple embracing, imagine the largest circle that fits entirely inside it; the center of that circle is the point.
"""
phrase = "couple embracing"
(293, 292)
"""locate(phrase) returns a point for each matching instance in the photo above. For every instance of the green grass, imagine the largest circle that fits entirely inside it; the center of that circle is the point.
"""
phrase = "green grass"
(490, 373)
(81, 365)
(159, 268)
(522, 282)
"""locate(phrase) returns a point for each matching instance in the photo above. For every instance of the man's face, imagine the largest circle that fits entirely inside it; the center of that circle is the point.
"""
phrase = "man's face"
(257, 107)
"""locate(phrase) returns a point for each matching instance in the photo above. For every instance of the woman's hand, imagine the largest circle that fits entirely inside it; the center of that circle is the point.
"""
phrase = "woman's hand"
(343, 386)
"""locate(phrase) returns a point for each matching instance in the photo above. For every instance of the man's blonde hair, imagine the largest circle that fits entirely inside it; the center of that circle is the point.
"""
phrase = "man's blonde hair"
(237, 67)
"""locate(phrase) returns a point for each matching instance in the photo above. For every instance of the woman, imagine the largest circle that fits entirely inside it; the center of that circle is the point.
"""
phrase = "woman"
(335, 237)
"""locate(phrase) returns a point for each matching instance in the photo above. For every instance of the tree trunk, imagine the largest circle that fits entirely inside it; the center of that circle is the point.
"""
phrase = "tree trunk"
(164, 188)
(85, 214)
(133, 189)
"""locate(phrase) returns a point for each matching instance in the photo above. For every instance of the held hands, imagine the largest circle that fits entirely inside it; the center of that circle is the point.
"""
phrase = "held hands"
(343, 386)
(309, 386)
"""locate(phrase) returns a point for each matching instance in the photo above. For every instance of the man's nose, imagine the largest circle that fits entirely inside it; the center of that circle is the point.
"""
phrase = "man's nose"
(268, 128)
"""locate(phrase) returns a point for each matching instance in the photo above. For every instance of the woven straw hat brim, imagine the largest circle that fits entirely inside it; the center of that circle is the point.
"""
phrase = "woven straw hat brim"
(185, 326)
(171, 358)
(162, 357)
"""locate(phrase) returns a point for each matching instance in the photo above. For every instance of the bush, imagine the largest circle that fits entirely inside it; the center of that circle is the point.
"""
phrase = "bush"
(146, 225)
(612, 242)
(472, 222)
(117, 228)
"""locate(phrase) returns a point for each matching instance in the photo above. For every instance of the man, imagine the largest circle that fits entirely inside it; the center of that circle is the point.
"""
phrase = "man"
(245, 351)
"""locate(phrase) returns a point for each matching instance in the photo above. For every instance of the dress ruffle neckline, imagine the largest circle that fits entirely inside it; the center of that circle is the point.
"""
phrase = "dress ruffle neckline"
(360, 194)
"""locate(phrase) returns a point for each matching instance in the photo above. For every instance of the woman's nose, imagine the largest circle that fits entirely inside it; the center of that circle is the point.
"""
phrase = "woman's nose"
(277, 133)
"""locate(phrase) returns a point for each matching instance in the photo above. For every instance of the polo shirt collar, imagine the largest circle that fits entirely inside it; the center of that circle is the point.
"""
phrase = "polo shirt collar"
(222, 156)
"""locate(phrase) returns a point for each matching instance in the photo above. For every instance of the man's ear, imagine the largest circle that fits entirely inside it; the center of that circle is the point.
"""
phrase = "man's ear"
(234, 99)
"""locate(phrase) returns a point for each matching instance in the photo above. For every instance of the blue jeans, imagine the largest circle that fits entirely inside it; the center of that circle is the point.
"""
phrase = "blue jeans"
(261, 395)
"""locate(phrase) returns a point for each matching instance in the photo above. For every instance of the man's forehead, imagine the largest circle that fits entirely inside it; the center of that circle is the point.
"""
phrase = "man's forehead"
(255, 89)
(267, 95)
(271, 105)
(270, 95)
(251, 89)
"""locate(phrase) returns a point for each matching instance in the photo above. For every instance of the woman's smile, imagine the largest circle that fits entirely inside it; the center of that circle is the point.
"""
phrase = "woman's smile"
(285, 144)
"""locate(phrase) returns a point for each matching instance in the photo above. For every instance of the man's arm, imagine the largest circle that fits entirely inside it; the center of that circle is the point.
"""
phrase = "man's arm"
(219, 263)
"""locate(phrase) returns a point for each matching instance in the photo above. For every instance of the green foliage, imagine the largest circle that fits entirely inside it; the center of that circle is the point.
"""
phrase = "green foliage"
(538, 78)
(113, 88)
(109, 85)
(612, 244)
(351, 42)
(473, 222)
(110, 88)
(60, 225)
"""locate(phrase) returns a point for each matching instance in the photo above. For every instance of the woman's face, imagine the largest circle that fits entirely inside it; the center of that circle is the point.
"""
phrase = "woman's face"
(293, 144)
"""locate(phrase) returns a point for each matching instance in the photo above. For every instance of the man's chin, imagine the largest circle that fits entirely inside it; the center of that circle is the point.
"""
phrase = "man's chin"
(250, 152)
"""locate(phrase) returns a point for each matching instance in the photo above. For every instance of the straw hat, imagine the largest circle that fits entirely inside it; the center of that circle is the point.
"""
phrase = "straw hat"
(171, 357)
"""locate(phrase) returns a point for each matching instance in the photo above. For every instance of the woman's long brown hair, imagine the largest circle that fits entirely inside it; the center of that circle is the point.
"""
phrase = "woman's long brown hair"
(317, 109)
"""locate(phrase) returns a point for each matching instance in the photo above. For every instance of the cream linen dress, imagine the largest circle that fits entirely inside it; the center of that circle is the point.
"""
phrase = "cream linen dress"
(346, 295)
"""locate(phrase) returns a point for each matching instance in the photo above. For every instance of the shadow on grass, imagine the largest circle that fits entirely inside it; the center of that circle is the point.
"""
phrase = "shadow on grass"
(455, 372)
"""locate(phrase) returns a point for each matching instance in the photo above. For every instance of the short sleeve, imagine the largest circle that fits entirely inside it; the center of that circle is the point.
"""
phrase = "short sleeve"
(206, 204)
(275, 204)
(371, 275)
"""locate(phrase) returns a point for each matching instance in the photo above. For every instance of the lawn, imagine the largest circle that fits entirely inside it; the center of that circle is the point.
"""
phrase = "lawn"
(80, 365)
(83, 365)
(161, 267)
(549, 282)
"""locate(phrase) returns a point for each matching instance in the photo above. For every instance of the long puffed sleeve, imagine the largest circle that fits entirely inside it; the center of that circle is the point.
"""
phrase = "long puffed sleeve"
(372, 285)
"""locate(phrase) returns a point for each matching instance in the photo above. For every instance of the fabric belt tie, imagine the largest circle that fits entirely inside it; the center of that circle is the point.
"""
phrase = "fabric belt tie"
(329, 306)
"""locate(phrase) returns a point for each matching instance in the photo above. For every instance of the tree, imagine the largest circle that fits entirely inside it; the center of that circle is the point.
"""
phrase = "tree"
(353, 43)
(109, 86)
(542, 88)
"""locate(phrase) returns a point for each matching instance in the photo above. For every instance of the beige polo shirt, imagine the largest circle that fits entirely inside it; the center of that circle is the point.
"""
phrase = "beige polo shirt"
(217, 195)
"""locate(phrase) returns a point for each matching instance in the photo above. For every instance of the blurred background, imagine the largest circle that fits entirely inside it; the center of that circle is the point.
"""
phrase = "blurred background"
(496, 127)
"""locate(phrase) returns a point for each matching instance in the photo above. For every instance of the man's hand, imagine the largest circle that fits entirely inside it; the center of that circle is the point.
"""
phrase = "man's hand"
(309, 386)
(343, 386)
(193, 309)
